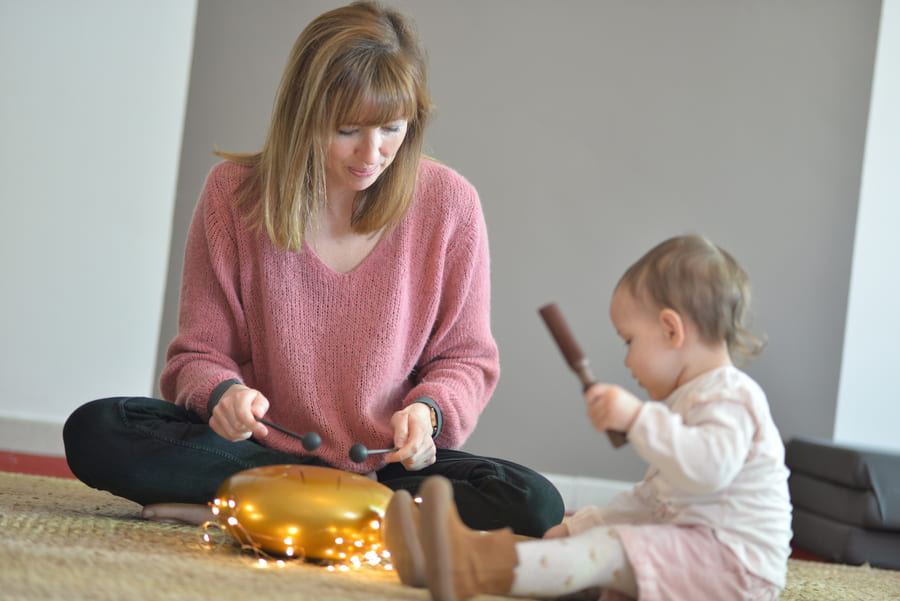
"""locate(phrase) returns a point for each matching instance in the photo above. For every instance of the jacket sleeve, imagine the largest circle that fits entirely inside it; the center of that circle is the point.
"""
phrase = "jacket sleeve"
(701, 452)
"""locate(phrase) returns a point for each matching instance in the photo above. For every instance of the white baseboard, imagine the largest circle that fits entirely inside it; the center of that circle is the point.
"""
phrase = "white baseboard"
(32, 436)
(582, 491)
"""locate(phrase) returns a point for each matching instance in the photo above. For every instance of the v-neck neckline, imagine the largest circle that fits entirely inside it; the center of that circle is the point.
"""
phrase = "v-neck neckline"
(308, 248)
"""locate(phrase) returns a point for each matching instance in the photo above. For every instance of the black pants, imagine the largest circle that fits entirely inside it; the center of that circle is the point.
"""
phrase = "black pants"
(152, 451)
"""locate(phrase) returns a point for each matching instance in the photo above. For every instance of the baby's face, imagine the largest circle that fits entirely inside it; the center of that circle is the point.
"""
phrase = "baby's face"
(651, 357)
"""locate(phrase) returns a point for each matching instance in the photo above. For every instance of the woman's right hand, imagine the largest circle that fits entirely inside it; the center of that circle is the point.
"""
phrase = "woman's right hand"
(234, 416)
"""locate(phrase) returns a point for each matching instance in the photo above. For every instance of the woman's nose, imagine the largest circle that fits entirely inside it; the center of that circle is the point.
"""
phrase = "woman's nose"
(370, 147)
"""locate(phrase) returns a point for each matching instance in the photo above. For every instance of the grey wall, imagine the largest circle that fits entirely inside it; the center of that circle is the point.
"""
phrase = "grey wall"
(593, 130)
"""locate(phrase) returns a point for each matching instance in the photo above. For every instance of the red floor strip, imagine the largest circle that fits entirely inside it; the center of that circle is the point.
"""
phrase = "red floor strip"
(37, 465)
(804, 555)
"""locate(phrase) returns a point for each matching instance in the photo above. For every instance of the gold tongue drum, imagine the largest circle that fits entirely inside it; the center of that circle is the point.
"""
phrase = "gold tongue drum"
(573, 355)
(305, 511)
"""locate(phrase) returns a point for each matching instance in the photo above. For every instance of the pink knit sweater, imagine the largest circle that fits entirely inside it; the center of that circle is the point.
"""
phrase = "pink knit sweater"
(337, 353)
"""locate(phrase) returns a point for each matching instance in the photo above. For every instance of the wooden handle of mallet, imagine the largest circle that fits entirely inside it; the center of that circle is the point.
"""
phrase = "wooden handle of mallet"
(573, 355)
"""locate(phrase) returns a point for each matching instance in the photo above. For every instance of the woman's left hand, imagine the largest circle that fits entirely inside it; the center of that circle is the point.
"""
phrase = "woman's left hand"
(412, 437)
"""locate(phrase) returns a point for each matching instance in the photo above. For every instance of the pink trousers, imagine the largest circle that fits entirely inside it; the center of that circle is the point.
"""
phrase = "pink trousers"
(687, 563)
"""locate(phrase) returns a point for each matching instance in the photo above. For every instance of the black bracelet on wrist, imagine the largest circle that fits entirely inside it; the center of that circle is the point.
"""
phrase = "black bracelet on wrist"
(216, 395)
(437, 423)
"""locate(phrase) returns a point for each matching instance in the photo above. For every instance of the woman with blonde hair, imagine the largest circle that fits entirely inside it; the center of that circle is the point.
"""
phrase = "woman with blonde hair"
(335, 282)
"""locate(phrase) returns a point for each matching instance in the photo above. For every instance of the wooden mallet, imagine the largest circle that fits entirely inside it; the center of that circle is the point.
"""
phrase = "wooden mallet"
(573, 355)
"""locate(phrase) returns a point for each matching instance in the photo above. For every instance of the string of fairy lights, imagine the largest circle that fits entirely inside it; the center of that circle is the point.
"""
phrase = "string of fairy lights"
(349, 549)
(358, 558)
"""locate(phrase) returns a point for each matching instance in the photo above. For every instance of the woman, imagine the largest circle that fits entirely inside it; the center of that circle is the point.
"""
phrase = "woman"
(336, 282)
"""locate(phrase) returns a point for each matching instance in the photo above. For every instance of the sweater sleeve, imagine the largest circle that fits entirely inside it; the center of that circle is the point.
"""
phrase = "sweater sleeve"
(212, 341)
(681, 448)
(459, 366)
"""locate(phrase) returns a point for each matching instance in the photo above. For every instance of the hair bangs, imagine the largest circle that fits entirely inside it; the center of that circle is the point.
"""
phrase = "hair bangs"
(379, 93)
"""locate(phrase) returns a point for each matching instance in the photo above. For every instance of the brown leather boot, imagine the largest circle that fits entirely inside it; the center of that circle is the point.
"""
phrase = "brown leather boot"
(400, 533)
(462, 563)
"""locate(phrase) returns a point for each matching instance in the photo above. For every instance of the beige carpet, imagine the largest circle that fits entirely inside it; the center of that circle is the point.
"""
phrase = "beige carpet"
(60, 539)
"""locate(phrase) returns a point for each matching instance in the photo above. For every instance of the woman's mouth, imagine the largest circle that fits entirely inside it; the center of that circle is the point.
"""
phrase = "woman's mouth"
(364, 172)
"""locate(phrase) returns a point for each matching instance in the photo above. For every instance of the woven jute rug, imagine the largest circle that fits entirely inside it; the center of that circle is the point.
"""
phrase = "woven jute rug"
(60, 539)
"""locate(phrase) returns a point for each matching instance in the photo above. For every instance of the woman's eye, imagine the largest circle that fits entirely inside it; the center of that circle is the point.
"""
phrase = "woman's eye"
(394, 127)
(346, 131)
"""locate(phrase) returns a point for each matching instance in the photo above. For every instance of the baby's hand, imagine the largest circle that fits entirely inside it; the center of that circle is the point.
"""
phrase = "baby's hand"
(611, 407)
(558, 531)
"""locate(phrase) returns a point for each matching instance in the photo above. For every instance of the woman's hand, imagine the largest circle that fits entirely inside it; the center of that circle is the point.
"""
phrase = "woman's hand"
(611, 407)
(412, 437)
(234, 416)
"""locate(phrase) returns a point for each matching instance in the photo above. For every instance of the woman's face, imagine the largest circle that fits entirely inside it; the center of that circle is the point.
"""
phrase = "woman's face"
(359, 154)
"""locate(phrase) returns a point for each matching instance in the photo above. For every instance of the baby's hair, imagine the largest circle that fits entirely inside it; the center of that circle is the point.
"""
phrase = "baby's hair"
(701, 281)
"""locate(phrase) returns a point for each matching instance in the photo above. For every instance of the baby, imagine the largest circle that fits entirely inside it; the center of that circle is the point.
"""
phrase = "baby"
(712, 517)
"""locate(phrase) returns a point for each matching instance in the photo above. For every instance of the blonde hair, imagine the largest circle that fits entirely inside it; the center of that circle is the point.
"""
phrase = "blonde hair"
(362, 65)
(702, 281)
